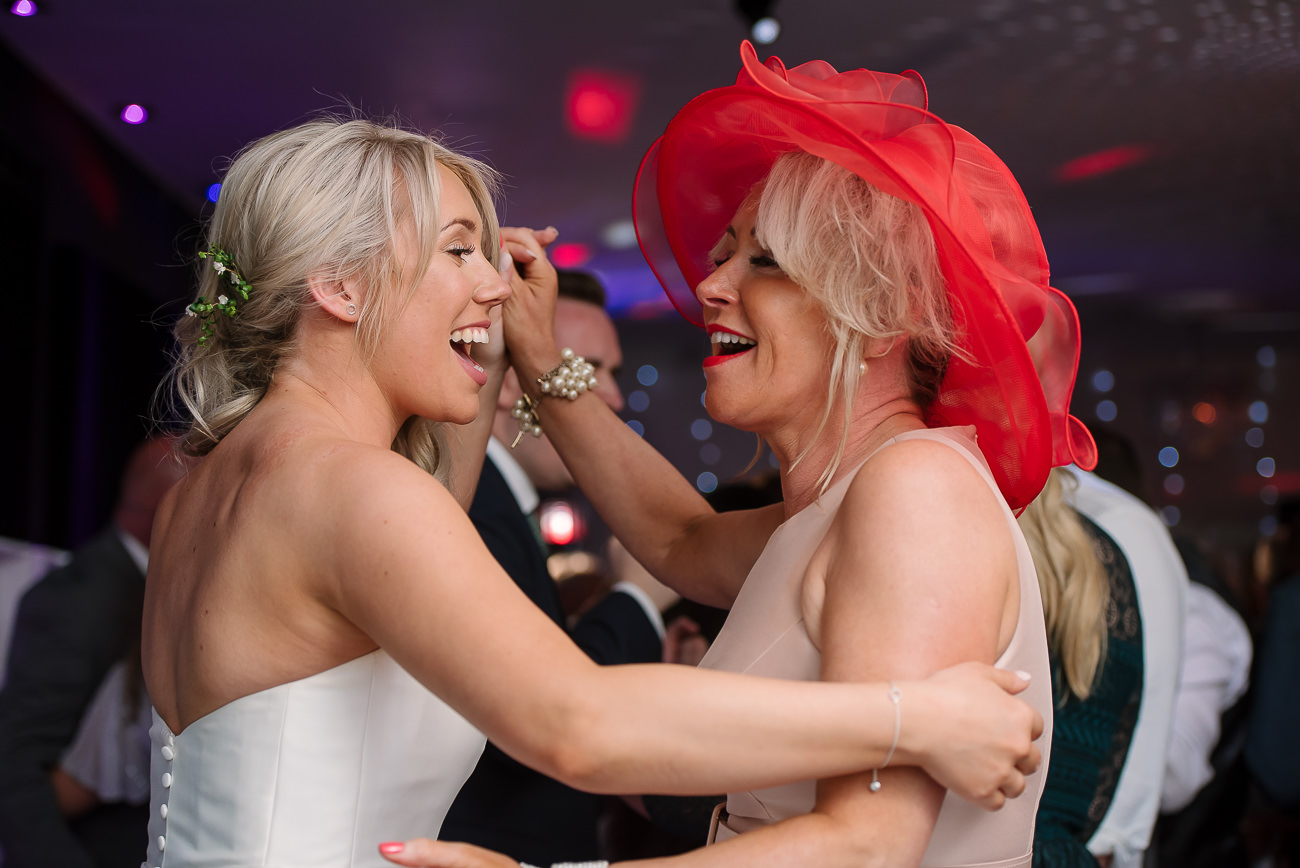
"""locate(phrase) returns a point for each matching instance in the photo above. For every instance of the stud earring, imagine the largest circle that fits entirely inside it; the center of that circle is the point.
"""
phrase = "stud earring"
(862, 367)
(352, 310)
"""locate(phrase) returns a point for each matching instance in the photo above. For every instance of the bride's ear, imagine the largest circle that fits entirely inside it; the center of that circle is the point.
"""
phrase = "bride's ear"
(338, 298)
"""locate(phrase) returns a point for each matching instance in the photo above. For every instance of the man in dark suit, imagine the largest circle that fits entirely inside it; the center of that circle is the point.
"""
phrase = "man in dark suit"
(71, 628)
(504, 805)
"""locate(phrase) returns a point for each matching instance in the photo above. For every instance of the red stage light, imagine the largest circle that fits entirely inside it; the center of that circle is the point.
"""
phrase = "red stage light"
(571, 255)
(600, 105)
(1103, 162)
(560, 523)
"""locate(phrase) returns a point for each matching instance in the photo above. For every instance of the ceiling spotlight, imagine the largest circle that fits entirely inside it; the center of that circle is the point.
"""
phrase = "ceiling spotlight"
(23, 8)
(134, 114)
(763, 26)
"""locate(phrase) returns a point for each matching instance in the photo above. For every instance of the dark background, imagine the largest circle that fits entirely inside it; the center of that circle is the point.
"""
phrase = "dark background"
(1177, 237)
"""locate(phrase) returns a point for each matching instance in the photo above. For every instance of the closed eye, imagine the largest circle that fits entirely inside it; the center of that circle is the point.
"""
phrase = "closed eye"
(462, 253)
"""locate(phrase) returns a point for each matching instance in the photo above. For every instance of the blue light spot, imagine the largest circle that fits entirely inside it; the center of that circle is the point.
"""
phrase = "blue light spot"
(1103, 381)
(214, 192)
(638, 401)
(765, 30)
(637, 427)
(1258, 412)
(1266, 357)
(1255, 437)
(1266, 467)
(710, 453)
(1268, 525)
(647, 375)
(701, 429)
(1107, 411)
(1168, 457)
(703, 395)
(706, 482)
(1170, 515)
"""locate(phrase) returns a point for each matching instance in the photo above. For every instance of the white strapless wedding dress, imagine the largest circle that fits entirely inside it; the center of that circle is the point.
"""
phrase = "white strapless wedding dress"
(310, 774)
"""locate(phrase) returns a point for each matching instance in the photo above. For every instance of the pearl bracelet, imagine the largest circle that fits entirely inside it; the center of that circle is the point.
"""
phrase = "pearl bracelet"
(569, 379)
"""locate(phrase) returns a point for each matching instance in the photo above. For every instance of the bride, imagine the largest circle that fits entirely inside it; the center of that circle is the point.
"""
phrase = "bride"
(326, 641)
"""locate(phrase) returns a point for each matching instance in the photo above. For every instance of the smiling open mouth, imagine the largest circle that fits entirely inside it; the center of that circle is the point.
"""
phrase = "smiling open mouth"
(462, 339)
(729, 344)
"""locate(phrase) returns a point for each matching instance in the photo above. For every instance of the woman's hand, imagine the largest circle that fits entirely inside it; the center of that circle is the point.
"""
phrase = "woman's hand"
(529, 313)
(423, 853)
(972, 735)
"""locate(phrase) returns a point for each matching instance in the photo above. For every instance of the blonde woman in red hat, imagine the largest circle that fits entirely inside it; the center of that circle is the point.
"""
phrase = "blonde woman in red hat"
(875, 293)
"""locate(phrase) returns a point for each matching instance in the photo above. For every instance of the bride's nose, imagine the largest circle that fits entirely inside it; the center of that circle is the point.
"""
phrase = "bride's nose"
(492, 288)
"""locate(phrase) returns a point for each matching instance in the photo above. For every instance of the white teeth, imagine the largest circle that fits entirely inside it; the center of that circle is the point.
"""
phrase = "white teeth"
(470, 336)
(729, 338)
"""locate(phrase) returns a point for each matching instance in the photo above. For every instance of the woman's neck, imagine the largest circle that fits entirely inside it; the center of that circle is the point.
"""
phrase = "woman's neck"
(803, 463)
(339, 391)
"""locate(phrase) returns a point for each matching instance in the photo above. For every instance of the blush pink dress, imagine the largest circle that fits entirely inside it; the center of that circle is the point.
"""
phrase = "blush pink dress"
(765, 634)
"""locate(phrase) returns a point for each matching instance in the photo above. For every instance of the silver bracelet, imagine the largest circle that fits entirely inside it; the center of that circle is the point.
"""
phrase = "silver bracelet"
(896, 697)
(569, 379)
(600, 864)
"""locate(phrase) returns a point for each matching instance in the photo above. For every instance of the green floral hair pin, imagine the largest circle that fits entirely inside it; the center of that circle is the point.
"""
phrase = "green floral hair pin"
(206, 310)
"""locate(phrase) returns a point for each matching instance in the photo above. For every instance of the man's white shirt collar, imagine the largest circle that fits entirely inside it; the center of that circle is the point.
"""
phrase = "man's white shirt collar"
(139, 554)
(520, 485)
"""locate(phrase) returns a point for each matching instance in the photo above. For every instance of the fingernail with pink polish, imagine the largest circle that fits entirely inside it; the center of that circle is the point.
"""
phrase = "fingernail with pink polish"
(391, 848)
(1023, 675)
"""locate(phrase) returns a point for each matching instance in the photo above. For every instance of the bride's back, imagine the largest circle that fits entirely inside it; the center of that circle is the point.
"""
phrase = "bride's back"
(230, 607)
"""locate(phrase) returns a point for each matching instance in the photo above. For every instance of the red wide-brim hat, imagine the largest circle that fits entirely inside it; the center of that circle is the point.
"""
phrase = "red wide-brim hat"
(1019, 335)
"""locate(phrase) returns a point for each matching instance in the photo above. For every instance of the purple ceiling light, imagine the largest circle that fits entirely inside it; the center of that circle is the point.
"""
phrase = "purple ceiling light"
(134, 114)
(23, 8)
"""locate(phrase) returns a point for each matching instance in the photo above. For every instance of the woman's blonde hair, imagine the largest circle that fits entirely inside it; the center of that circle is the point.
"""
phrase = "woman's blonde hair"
(869, 260)
(321, 201)
(1073, 582)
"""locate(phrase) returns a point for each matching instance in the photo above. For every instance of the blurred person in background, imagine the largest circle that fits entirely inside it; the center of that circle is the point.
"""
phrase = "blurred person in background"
(1206, 784)
(74, 742)
(1158, 573)
(505, 805)
(1094, 633)
(1271, 750)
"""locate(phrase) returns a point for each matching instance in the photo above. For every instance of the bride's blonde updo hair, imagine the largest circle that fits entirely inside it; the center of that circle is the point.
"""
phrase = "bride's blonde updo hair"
(869, 261)
(322, 200)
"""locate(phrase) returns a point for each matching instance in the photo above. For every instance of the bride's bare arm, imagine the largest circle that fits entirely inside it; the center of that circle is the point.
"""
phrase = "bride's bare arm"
(402, 562)
(901, 599)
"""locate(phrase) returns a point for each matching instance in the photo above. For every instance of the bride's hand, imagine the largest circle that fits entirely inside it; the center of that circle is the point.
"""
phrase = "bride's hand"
(972, 735)
(423, 853)
(529, 313)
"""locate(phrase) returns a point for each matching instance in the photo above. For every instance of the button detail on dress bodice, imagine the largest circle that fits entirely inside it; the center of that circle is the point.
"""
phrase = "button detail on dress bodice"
(168, 753)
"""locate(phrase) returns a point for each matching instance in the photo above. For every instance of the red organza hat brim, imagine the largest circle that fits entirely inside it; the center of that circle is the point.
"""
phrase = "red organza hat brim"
(1020, 336)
